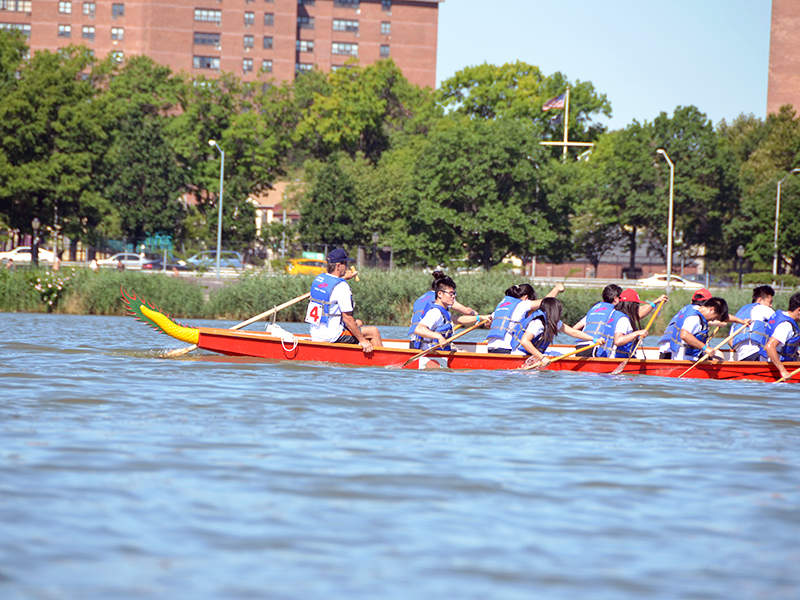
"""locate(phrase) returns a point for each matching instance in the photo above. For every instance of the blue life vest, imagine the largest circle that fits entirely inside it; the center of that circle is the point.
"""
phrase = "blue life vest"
(539, 342)
(446, 328)
(673, 332)
(421, 306)
(623, 351)
(501, 321)
(597, 322)
(319, 308)
(789, 350)
(756, 334)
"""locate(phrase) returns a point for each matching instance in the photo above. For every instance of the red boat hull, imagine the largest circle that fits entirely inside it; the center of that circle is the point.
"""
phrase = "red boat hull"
(263, 345)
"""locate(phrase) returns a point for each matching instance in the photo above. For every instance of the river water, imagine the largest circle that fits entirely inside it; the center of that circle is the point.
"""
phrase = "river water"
(123, 476)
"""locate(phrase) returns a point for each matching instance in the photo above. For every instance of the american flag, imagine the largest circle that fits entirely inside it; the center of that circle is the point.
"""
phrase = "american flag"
(557, 102)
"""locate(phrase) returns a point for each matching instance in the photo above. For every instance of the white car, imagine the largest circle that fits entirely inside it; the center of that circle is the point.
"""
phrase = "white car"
(22, 254)
(659, 280)
(128, 259)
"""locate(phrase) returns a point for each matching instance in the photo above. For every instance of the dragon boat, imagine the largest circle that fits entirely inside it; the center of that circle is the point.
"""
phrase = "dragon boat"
(281, 345)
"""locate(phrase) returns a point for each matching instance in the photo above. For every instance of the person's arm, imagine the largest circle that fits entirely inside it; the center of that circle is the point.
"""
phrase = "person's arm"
(527, 343)
(690, 340)
(557, 289)
(468, 319)
(620, 339)
(464, 310)
(351, 326)
(580, 324)
(424, 332)
(772, 353)
(646, 308)
(575, 332)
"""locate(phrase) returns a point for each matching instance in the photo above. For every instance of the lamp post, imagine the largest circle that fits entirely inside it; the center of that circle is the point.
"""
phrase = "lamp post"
(35, 243)
(740, 255)
(375, 237)
(221, 177)
(663, 152)
(777, 220)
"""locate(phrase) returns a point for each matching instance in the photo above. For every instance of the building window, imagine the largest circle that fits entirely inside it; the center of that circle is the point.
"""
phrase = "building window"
(88, 32)
(117, 10)
(266, 65)
(65, 8)
(249, 18)
(247, 65)
(206, 39)
(386, 5)
(304, 22)
(384, 51)
(25, 28)
(89, 9)
(205, 62)
(301, 67)
(64, 30)
(17, 5)
(304, 46)
(267, 42)
(211, 16)
(342, 48)
(248, 42)
(344, 25)
(386, 28)
(269, 19)
(346, 3)
(117, 34)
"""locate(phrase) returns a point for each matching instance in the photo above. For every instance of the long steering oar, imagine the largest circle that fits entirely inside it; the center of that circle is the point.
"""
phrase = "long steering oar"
(444, 343)
(714, 350)
(270, 312)
(622, 365)
(789, 376)
(560, 356)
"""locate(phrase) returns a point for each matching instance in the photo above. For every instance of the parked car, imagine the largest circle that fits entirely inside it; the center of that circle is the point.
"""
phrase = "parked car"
(128, 259)
(659, 280)
(22, 254)
(208, 260)
(305, 266)
(157, 264)
(712, 281)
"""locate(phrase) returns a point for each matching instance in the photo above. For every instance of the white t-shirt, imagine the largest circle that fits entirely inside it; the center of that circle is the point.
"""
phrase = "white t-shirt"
(535, 328)
(432, 320)
(341, 301)
(517, 315)
(782, 333)
(758, 313)
(693, 325)
(623, 327)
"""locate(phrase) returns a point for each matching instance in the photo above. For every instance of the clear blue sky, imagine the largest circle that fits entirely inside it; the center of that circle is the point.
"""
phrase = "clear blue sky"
(647, 56)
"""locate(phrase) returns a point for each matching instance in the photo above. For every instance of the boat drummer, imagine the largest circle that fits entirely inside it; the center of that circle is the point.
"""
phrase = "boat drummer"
(783, 336)
(330, 309)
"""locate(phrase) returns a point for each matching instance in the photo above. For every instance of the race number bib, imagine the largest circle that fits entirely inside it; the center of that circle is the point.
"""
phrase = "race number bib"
(314, 313)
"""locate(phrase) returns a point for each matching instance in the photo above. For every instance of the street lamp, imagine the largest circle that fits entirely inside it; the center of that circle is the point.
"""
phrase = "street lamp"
(375, 237)
(36, 223)
(740, 255)
(777, 220)
(669, 220)
(221, 176)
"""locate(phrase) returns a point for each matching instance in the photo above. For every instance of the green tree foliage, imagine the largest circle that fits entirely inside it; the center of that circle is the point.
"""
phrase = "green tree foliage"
(331, 214)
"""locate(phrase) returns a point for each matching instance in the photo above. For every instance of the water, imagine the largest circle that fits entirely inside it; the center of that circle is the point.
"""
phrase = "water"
(127, 477)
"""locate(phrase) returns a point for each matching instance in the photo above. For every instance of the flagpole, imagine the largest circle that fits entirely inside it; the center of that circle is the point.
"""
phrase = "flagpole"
(566, 125)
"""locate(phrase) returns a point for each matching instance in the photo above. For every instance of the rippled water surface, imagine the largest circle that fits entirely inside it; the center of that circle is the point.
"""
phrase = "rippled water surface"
(123, 476)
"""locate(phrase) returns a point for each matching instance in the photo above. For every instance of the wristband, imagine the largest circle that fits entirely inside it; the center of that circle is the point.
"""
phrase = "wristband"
(704, 348)
(652, 304)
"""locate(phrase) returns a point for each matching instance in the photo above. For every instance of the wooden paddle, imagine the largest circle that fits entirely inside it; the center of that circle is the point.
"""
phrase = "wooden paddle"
(789, 376)
(270, 312)
(445, 343)
(621, 365)
(557, 358)
(715, 348)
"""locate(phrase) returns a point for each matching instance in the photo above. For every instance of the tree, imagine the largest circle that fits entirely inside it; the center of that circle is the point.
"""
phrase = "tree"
(331, 215)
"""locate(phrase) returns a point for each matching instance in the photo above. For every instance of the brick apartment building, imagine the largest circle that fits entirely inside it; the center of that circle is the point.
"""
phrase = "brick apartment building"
(784, 56)
(205, 37)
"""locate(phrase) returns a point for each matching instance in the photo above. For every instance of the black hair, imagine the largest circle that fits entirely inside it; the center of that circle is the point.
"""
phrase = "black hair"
(442, 283)
(794, 301)
(437, 275)
(719, 305)
(523, 289)
(552, 308)
(611, 292)
(630, 310)
(762, 291)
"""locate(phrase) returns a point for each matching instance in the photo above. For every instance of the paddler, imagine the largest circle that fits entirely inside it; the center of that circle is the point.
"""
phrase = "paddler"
(617, 329)
(749, 343)
(512, 316)
(783, 334)
(421, 305)
(330, 309)
(544, 324)
(687, 333)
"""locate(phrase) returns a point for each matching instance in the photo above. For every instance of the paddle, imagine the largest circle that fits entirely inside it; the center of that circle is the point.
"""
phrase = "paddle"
(717, 347)
(445, 343)
(789, 376)
(270, 312)
(621, 365)
(557, 358)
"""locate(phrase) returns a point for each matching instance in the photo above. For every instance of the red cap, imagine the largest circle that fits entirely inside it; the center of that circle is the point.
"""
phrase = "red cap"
(629, 295)
(702, 295)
